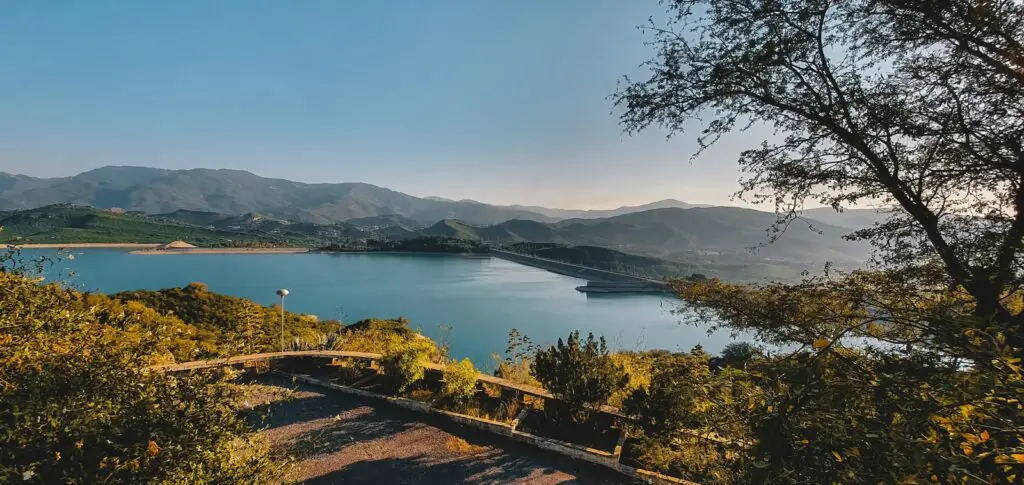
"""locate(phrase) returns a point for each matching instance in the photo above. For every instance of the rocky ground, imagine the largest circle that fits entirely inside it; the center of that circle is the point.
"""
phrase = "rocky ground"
(334, 438)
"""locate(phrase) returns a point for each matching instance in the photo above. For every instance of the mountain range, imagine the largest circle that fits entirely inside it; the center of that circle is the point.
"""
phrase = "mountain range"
(723, 234)
(157, 191)
(711, 240)
(236, 192)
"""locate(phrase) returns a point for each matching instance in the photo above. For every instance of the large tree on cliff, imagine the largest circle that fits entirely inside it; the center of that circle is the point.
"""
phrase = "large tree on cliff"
(917, 105)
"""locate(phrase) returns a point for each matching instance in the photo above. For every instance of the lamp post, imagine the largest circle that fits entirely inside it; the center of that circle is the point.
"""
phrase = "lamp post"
(282, 293)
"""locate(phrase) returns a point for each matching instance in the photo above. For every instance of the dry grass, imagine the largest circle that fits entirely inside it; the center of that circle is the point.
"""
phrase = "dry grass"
(461, 446)
(422, 395)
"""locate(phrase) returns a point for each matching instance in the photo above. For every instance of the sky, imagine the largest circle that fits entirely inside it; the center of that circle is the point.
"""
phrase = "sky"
(505, 102)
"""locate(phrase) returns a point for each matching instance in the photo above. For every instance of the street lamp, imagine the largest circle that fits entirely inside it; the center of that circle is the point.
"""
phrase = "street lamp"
(282, 293)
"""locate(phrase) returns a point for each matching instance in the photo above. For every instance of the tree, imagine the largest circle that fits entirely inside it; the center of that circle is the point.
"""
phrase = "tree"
(251, 320)
(516, 365)
(910, 371)
(581, 374)
(871, 390)
(738, 354)
(914, 105)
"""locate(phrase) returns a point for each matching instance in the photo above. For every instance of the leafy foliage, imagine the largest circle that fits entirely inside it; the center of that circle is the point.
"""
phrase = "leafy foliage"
(231, 324)
(78, 405)
(914, 105)
(405, 365)
(891, 381)
(910, 372)
(459, 381)
(739, 354)
(688, 401)
(579, 373)
(381, 336)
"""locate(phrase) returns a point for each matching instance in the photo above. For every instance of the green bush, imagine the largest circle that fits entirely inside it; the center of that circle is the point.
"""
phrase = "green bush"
(581, 374)
(405, 365)
(459, 381)
(379, 336)
(78, 405)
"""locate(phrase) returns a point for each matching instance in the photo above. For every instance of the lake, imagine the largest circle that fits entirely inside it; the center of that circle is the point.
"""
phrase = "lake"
(480, 298)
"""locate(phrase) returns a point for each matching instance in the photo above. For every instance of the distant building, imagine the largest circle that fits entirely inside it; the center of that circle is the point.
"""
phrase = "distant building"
(117, 210)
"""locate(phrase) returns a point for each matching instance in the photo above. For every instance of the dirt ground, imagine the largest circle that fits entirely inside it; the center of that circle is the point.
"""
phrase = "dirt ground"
(334, 438)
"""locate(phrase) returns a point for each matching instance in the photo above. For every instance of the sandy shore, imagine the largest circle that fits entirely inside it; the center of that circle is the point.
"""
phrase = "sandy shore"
(89, 245)
(223, 251)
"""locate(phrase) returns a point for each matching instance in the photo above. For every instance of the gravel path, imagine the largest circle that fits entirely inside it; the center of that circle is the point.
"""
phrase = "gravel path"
(335, 438)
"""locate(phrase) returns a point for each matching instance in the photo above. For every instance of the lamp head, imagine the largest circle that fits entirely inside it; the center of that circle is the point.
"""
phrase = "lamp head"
(282, 292)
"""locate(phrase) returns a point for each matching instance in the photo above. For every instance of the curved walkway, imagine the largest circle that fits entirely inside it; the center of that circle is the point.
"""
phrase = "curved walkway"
(336, 439)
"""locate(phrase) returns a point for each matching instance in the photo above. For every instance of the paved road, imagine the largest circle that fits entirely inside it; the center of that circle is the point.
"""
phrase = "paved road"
(337, 439)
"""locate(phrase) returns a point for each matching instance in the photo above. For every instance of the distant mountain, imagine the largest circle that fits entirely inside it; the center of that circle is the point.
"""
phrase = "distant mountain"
(598, 213)
(384, 221)
(240, 193)
(851, 218)
(158, 191)
(727, 234)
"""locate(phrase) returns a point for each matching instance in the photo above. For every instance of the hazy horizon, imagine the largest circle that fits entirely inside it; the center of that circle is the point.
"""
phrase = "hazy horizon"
(503, 104)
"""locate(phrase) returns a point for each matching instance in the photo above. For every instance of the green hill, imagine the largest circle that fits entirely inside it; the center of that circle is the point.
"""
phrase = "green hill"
(77, 224)
(386, 220)
(195, 305)
(196, 218)
(454, 229)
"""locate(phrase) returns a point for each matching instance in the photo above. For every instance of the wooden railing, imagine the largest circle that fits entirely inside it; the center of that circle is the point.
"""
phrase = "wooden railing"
(341, 354)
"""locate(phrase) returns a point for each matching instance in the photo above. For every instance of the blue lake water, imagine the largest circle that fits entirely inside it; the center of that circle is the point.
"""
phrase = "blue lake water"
(480, 298)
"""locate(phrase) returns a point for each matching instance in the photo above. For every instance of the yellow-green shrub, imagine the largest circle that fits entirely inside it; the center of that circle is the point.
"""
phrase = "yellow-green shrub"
(405, 365)
(78, 405)
(459, 381)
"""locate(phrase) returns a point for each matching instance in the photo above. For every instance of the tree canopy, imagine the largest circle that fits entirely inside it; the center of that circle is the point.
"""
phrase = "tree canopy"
(915, 106)
(908, 370)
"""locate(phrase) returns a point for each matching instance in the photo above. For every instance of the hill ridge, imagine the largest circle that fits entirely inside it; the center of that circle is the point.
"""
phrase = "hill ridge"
(237, 192)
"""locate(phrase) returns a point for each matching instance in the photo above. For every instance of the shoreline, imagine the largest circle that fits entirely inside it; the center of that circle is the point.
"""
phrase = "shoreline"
(86, 245)
(443, 253)
(155, 251)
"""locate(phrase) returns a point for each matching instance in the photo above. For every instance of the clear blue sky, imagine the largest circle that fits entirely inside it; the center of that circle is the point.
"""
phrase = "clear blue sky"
(498, 101)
